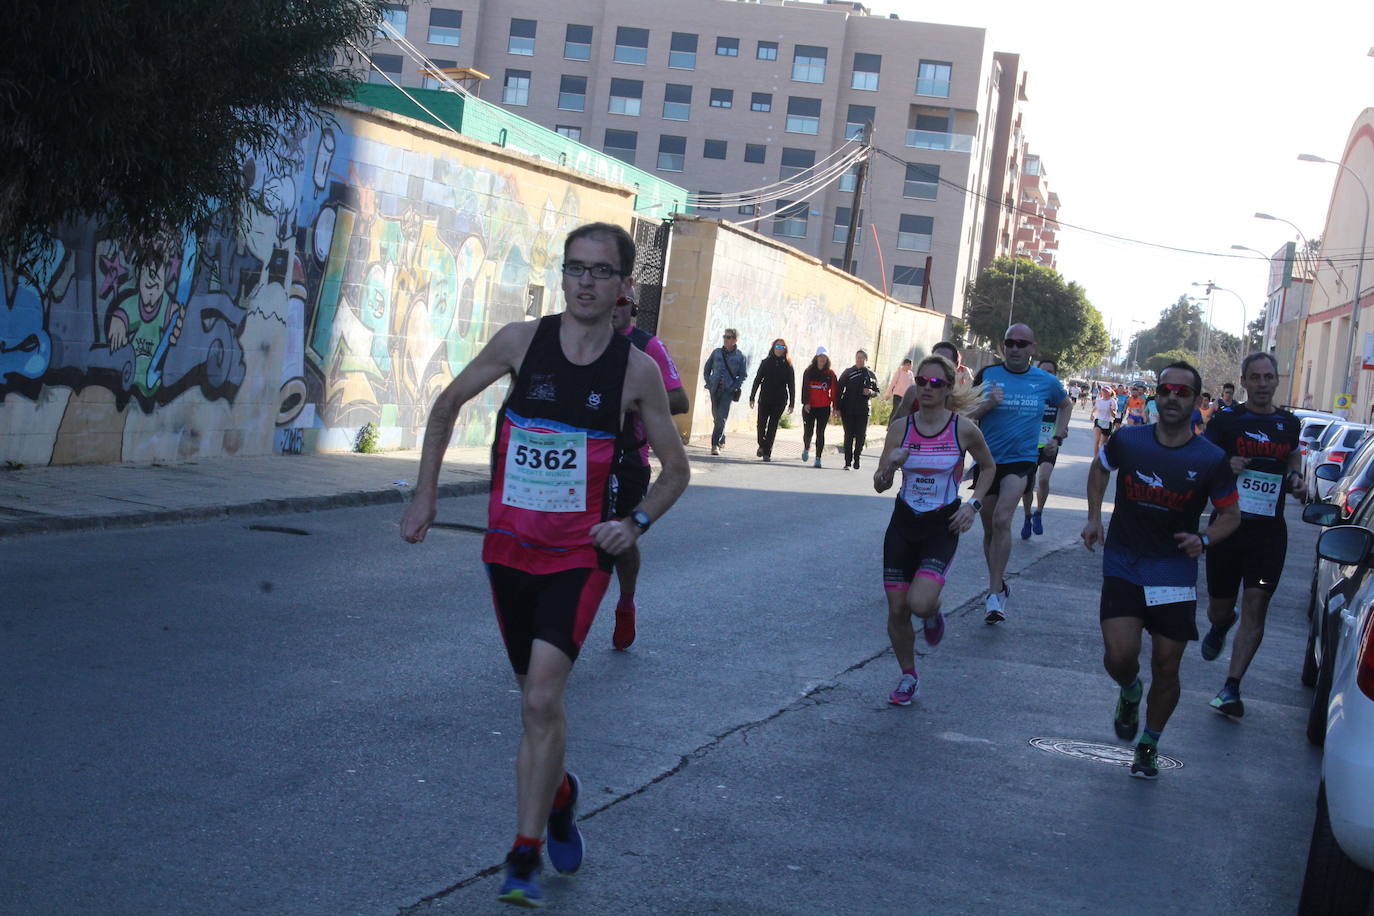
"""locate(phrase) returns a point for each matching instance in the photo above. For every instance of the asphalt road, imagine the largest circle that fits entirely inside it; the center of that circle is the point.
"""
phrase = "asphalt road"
(208, 718)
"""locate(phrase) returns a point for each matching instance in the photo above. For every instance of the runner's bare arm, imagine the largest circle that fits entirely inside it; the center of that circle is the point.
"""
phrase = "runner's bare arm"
(890, 459)
(1297, 484)
(971, 440)
(501, 355)
(1226, 522)
(1061, 428)
(1098, 477)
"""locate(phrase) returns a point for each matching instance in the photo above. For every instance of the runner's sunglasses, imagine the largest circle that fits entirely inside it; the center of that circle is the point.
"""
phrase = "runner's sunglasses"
(1017, 342)
(1176, 391)
(930, 381)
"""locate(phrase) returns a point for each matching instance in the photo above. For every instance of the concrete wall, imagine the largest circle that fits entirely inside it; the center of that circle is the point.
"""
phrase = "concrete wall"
(367, 273)
(720, 275)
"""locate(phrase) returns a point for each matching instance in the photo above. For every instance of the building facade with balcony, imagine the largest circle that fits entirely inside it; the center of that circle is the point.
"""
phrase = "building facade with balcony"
(723, 96)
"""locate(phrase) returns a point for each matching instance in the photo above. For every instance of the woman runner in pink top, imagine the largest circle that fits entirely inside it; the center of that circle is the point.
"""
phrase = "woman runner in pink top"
(928, 445)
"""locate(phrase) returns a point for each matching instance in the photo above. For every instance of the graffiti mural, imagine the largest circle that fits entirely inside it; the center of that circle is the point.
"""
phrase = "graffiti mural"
(360, 278)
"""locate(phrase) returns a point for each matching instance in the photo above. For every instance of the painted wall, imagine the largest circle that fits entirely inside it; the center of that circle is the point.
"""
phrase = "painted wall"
(363, 276)
(723, 276)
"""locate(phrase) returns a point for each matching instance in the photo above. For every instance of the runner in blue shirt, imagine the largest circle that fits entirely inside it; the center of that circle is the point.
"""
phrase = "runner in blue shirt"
(1165, 476)
(1014, 398)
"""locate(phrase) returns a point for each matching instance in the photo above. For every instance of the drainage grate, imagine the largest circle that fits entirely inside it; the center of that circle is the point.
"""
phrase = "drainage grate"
(279, 529)
(1110, 754)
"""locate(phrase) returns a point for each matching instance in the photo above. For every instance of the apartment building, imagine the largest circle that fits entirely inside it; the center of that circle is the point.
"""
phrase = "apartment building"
(723, 96)
(1036, 235)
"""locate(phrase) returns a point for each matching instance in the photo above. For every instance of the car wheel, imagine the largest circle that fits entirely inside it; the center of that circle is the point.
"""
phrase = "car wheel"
(1321, 696)
(1333, 883)
(1309, 655)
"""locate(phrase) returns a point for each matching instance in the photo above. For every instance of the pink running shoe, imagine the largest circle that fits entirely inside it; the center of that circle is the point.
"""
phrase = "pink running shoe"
(908, 688)
(933, 629)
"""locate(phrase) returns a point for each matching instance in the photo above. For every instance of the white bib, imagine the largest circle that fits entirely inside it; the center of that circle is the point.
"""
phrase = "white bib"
(1259, 492)
(1046, 432)
(546, 472)
(1169, 594)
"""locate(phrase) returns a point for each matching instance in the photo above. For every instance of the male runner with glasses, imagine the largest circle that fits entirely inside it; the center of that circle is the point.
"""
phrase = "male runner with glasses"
(550, 535)
(1165, 475)
(1261, 442)
(1015, 395)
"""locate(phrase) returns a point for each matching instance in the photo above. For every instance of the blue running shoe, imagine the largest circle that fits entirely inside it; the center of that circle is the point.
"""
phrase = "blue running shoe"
(1214, 642)
(1227, 702)
(520, 887)
(1037, 523)
(564, 840)
(1026, 529)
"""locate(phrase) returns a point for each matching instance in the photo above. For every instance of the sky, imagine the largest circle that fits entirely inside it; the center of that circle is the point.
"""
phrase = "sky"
(1173, 123)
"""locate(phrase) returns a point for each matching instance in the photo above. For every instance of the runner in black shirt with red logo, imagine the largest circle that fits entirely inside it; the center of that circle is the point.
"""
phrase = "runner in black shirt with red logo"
(1165, 475)
(1261, 442)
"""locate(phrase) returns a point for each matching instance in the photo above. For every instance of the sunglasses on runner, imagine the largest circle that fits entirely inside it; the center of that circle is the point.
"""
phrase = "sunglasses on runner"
(1176, 391)
(931, 381)
(1016, 342)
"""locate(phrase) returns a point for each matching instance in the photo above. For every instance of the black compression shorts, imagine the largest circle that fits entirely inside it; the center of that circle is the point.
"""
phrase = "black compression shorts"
(1126, 599)
(1253, 556)
(1042, 458)
(1020, 468)
(918, 545)
(555, 607)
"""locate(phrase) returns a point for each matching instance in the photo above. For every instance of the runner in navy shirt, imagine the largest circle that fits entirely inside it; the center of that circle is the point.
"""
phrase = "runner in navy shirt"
(1165, 475)
(1261, 442)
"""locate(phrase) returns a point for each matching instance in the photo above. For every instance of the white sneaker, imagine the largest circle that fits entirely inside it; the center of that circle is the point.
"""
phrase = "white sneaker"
(997, 605)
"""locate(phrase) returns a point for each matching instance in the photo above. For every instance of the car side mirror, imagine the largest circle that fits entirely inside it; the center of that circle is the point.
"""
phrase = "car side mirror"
(1345, 544)
(1324, 514)
(1330, 470)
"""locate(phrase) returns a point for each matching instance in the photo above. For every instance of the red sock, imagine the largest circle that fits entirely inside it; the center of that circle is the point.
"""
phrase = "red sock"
(624, 635)
(564, 793)
(532, 842)
(626, 602)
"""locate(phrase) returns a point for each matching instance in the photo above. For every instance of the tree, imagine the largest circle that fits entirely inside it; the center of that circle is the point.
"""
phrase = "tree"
(1066, 324)
(143, 115)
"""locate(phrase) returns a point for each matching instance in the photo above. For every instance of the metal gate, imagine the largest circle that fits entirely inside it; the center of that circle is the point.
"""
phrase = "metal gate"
(651, 263)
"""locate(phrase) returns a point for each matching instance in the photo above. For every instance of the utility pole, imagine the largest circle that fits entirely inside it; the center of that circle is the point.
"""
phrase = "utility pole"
(859, 182)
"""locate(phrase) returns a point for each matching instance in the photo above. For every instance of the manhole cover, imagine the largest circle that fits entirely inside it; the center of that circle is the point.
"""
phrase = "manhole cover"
(1111, 754)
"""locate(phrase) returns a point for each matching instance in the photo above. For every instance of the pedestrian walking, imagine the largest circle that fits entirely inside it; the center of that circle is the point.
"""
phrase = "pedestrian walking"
(550, 535)
(1015, 395)
(928, 445)
(725, 372)
(818, 393)
(1164, 477)
(902, 380)
(632, 472)
(856, 386)
(775, 391)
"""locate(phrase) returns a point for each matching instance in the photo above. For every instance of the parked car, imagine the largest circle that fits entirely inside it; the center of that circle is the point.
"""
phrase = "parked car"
(1335, 446)
(1311, 431)
(1340, 860)
(1353, 478)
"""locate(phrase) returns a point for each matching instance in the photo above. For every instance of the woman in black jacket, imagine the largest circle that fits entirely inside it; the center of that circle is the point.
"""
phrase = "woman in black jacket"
(778, 380)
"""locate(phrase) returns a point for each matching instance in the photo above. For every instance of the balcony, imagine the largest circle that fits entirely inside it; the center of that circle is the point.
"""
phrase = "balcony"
(939, 139)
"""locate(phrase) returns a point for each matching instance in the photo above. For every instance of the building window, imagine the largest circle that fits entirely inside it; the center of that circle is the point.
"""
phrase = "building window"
(713, 149)
(682, 51)
(521, 40)
(794, 162)
(922, 181)
(808, 64)
(761, 101)
(858, 117)
(516, 90)
(789, 219)
(389, 64)
(677, 102)
(838, 263)
(621, 144)
(572, 93)
(446, 27)
(631, 45)
(727, 47)
(907, 283)
(577, 42)
(866, 67)
(569, 131)
(433, 81)
(932, 78)
(913, 232)
(704, 208)
(722, 98)
(625, 96)
(755, 152)
(394, 15)
(747, 210)
(840, 231)
(672, 153)
(803, 115)
(850, 179)
(767, 50)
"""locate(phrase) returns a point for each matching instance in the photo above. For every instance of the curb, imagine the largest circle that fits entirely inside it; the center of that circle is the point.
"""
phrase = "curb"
(53, 524)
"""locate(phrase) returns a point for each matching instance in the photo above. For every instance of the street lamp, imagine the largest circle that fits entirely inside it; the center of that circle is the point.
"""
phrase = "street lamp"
(1359, 271)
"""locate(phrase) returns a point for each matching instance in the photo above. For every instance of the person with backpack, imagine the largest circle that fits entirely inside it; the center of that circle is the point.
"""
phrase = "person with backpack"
(726, 370)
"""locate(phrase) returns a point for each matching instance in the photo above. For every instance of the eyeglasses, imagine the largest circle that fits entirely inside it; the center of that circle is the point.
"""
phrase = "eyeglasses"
(930, 381)
(779, 347)
(598, 271)
(1176, 391)
(1016, 342)
(729, 336)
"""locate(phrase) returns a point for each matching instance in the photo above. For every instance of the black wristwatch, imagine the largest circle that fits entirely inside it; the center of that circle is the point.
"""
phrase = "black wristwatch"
(976, 503)
(1059, 439)
(641, 520)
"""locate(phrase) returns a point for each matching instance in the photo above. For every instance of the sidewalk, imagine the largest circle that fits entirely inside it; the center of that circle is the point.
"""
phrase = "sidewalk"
(84, 497)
